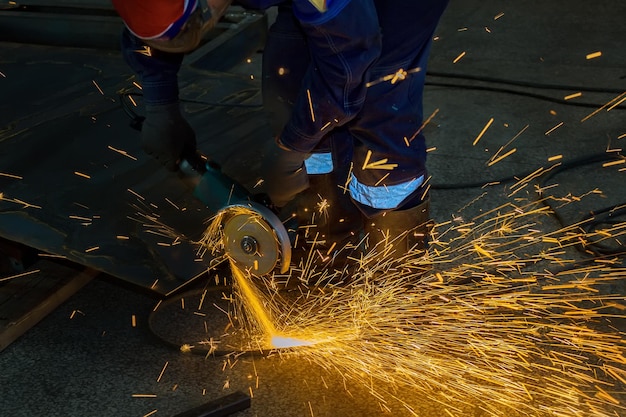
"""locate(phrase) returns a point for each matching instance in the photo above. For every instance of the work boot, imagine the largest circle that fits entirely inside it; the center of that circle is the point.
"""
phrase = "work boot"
(329, 225)
(393, 235)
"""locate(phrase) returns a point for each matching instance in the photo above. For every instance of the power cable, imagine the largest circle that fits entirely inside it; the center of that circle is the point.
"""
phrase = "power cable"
(527, 84)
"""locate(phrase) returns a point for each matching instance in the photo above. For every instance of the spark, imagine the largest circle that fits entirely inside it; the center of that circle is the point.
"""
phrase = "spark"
(381, 164)
(382, 179)
(458, 58)
(617, 99)
(613, 163)
(47, 255)
(252, 300)
(84, 219)
(121, 152)
(151, 413)
(393, 78)
(97, 86)
(202, 300)
(498, 16)
(428, 120)
(619, 102)
(135, 194)
(162, 371)
(594, 55)
(500, 158)
(74, 312)
(23, 274)
(400, 75)
(81, 174)
(326, 125)
(17, 177)
(555, 158)
(143, 395)
(517, 135)
(146, 51)
(308, 94)
(480, 135)
(288, 342)
(574, 95)
(554, 128)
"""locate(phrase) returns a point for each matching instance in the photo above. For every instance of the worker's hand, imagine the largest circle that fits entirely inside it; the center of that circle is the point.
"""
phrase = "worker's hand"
(166, 135)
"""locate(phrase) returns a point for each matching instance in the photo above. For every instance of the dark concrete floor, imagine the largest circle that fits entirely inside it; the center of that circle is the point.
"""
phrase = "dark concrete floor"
(92, 364)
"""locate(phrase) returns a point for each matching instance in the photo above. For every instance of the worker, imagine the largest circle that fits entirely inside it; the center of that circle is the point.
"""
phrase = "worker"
(343, 84)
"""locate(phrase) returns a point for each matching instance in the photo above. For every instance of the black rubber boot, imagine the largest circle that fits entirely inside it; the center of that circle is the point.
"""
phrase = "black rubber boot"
(326, 213)
(391, 236)
(329, 224)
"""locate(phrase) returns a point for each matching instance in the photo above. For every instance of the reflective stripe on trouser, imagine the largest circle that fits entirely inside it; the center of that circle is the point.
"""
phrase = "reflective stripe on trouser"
(383, 197)
(319, 163)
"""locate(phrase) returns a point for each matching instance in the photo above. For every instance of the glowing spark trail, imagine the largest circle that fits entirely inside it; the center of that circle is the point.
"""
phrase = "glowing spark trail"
(23, 274)
(17, 177)
(252, 300)
(594, 55)
(480, 135)
(617, 99)
(554, 128)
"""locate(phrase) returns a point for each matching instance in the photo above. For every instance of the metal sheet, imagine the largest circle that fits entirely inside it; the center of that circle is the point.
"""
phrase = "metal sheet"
(74, 181)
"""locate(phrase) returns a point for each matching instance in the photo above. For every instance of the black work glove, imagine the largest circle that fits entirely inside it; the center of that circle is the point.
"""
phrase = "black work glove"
(283, 173)
(166, 135)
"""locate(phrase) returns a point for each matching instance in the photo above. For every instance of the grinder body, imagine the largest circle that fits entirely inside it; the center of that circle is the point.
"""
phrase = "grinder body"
(252, 235)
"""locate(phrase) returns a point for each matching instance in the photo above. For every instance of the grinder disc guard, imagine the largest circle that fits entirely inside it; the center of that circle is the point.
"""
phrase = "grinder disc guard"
(255, 238)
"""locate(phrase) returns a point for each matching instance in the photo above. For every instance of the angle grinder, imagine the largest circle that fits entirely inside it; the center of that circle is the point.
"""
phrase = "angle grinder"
(253, 235)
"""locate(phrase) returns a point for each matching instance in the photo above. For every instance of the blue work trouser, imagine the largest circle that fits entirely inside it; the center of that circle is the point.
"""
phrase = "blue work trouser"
(286, 60)
(384, 142)
(157, 71)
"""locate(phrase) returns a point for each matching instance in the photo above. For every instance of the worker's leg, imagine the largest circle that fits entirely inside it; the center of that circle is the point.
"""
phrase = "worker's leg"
(285, 61)
(324, 211)
(389, 182)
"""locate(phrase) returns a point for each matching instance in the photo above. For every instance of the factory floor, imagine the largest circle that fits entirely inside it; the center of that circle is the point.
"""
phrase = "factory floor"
(502, 92)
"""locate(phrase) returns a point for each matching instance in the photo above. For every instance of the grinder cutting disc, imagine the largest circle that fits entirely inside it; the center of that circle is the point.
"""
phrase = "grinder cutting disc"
(255, 239)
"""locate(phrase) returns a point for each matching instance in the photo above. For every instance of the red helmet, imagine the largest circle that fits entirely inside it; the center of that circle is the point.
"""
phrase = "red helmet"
(170, 25)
